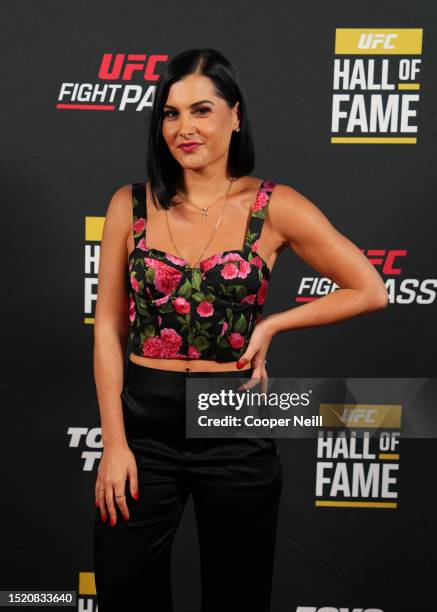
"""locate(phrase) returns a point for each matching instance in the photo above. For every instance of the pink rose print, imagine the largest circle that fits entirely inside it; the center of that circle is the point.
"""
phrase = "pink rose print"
(132, 312)
(262, 292)
(172, 341)
(231, 257)
(209, 263)
(205, 309)
(166, 277)
(181, 305)
(261, 200)
(161, 301)
(134, 283)
(154, 347)
(229, 271)
(269, 185)
(257, 261)
(166, 346)
(176, 260)
(236, 340)
(193, 353)
(245, 269)
(139, 225)
(161, 286)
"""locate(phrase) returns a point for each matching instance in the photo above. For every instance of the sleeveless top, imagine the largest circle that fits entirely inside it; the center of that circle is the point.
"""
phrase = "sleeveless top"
(209, 312)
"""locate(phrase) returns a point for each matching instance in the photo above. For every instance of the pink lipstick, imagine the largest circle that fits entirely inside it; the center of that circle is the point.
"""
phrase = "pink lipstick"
(188, 148)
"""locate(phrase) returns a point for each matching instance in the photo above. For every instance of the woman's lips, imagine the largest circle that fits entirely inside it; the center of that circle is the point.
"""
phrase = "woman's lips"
(189, 148)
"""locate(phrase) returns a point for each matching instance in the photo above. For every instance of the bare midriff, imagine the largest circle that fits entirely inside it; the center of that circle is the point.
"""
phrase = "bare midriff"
(187, 365)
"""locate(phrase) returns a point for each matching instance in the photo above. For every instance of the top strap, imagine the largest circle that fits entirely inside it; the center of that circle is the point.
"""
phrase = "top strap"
(139, 212)
(258, 214)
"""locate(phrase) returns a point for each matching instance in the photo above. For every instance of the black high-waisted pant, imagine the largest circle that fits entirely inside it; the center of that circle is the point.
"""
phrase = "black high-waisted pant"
(235, 483)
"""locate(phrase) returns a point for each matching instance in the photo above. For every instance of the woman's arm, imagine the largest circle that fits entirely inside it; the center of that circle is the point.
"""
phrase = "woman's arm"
(111, 329)
(305, 229)
(111, 326)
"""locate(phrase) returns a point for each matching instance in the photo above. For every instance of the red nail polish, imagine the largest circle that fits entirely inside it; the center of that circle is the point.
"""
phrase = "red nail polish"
(104, 517)
(112, 522)
(135, 494)
(239, 364)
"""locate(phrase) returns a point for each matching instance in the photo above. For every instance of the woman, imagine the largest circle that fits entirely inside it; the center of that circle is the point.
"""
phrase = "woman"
(200, 239)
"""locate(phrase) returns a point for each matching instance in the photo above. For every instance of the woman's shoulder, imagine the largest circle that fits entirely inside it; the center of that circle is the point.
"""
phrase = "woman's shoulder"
(286, 197)
(119, 198)
(292, 213)
(119, 209)
(282, 190)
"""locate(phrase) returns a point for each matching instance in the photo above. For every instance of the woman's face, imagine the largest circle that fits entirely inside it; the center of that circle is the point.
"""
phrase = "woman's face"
(193, 113)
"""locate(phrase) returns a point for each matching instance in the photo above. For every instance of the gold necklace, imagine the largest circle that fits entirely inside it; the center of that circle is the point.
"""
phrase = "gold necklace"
(203, 209)
(213, 233)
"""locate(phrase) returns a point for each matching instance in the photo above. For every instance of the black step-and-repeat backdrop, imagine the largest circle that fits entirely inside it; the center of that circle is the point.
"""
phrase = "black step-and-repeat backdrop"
(342, 99)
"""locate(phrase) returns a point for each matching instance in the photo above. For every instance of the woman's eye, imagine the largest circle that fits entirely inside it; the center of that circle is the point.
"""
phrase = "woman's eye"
(202, 110)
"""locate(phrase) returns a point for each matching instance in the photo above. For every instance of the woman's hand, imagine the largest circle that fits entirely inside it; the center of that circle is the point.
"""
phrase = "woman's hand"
(255, 353)
(116, 464)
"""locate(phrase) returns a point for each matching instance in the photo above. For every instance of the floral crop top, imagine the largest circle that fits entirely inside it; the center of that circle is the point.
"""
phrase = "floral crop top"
(209, 312)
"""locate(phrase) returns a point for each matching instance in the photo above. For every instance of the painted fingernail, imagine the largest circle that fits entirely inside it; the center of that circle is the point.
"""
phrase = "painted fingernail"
(135, 494)
(104, 517)
(126, 518)
(112, 521)
(239, 364)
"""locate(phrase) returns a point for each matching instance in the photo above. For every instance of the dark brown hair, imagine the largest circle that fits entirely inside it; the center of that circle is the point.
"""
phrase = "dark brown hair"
(162, 168)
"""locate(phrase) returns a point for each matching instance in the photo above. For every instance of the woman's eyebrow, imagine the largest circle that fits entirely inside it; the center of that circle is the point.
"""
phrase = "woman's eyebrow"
(191, 105)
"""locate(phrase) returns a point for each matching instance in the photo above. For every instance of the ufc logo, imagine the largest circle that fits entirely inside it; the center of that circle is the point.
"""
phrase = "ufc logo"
(118, 68)
(372, 41)
(385, 258)
(355, 415)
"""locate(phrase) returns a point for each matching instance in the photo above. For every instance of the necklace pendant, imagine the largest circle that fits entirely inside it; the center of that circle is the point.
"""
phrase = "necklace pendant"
(204, 213)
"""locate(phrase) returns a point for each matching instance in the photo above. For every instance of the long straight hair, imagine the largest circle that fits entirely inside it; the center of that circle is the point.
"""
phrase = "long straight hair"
(162, 168)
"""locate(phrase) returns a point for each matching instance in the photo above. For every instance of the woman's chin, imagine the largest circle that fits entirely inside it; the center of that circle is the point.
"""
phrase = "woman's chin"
(192, 164)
